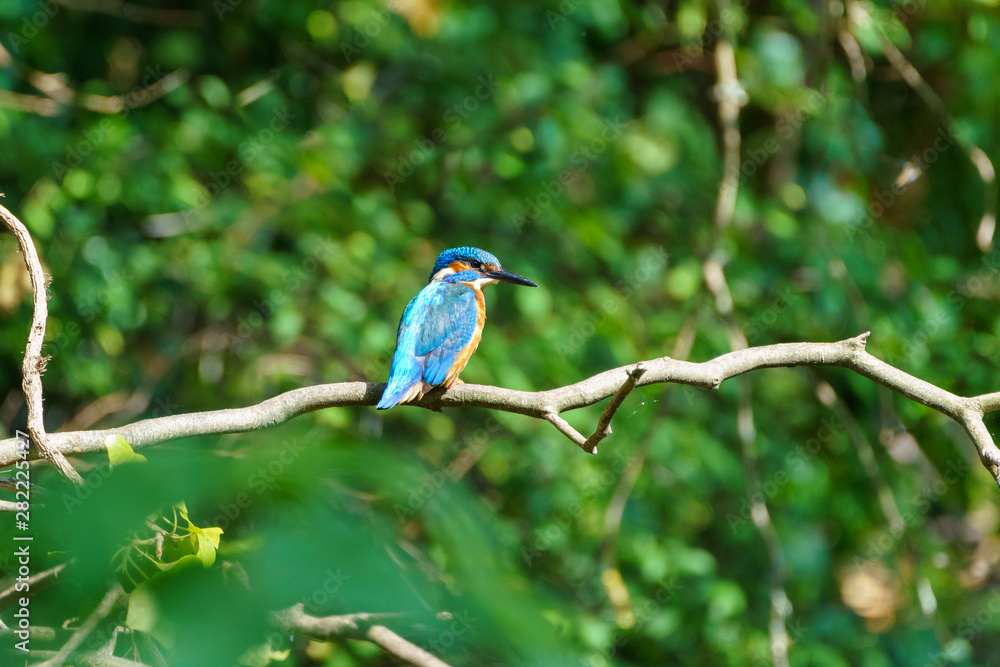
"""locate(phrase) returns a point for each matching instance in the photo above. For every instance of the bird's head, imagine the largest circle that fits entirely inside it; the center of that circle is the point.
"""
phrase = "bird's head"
(472, 265)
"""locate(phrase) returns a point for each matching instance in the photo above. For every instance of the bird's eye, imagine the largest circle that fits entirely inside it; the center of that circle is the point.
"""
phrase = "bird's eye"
(476, 264)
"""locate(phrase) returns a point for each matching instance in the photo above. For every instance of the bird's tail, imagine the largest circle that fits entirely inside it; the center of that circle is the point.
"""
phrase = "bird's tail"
(397, 392)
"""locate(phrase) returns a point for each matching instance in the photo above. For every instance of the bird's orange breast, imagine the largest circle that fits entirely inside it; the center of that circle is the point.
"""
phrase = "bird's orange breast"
(466, 353)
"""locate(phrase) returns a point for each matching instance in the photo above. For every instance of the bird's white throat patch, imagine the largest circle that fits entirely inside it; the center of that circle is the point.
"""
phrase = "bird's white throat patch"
(479, 282)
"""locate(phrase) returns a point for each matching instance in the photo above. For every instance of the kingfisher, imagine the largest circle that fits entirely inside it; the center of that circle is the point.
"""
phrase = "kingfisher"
(442, 325)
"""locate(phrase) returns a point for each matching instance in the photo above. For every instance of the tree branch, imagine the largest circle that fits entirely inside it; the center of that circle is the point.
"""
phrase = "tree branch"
(95, 659)
(567, 429)
(34, 362)
(36, 583)
(731, 97)
(848, 354)
(59, 96)
(111, 598)
(603, 429)
(357, 626)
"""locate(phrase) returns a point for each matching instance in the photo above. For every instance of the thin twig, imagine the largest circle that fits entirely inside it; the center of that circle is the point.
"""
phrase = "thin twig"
(988, 402)
(781, 607)
(40, 632)
(402, 649)
(58, 96)
(866, 455)
(357, 626)
(323, 627)
(34, 362)
(567, 429)
(603, 429)
(41, 106)
(95, 659)
(111, 598)
(731, 97)
(887, 499)
(611, 576)
(854, 56)
(35, 583)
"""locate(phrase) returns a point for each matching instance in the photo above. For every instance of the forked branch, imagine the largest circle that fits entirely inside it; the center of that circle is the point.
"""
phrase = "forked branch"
(34, 362)
(548, 405)
(357, 626)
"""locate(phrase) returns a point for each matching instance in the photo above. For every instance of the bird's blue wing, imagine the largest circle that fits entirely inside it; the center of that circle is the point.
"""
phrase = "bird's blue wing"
(448, 324)
(436, 326)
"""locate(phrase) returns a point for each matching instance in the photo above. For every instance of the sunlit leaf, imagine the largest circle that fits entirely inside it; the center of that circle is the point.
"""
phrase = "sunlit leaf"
(119, 451)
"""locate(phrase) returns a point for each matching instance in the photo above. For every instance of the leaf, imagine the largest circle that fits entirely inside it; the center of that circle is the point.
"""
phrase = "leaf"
(144, 616)
(119, 451)
(207, 543)
(180, 547)
(141, 611)
(204, 541)
(263, 655)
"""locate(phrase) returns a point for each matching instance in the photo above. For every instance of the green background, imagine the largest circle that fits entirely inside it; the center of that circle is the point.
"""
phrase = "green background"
(261, 226)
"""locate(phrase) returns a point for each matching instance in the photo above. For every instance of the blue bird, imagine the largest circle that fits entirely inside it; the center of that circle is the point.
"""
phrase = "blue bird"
(442, 325)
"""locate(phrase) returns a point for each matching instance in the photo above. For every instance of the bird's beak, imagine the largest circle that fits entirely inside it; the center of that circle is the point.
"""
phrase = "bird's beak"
(510, 277)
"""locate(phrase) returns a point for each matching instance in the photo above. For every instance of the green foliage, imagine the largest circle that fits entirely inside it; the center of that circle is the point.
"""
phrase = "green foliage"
(171, 545)
(257, 221)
